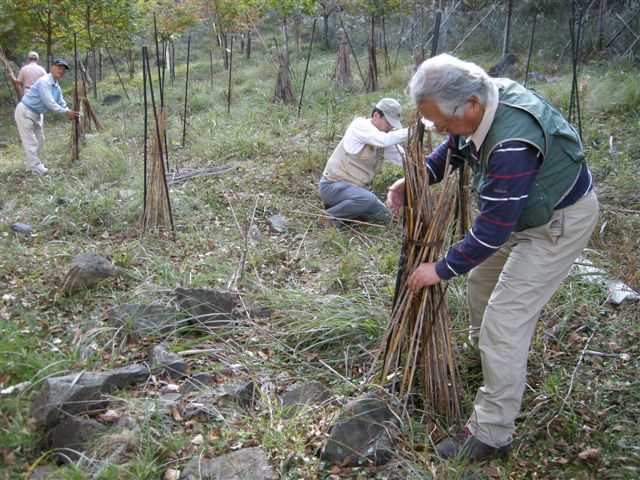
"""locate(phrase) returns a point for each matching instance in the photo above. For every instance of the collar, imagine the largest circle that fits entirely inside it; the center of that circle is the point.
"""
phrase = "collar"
(480, 134)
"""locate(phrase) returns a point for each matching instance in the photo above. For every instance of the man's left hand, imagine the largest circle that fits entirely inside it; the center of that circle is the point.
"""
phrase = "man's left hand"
(423, 276)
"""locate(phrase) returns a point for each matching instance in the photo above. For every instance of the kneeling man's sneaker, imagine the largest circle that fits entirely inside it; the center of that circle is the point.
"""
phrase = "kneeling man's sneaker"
(467, 445)
(39, 168)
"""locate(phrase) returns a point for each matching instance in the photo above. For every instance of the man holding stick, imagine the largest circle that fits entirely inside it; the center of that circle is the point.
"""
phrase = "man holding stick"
(355, 162)
(44, 96)
(537, 213)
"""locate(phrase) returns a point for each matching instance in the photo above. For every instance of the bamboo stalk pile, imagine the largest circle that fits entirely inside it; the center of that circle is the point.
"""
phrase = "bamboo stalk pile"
(417, 351)
(284, 88)
(156, 213)
(343, 65)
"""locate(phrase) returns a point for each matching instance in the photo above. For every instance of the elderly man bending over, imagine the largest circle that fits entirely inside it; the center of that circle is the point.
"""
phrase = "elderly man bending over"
(537, 212)
(357, 159)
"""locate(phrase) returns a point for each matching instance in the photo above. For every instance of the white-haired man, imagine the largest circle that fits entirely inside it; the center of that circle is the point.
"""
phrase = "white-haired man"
(44, 96)
(537, 212)
(355, 162)
(29, 73)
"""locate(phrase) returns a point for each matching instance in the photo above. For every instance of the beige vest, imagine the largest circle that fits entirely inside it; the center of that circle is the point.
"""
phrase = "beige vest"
(358, 169)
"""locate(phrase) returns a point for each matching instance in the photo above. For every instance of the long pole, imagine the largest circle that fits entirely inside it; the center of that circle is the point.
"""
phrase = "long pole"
(144, 88)
(230, 68)
(436, 34)
(533, 31)
(76, 120)
(117, 73)
(306, 68)
(186, 91)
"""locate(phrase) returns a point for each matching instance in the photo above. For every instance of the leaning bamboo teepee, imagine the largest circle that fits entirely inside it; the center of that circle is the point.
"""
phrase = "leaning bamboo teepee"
(417, 351)
(283, 91)
(343, 65)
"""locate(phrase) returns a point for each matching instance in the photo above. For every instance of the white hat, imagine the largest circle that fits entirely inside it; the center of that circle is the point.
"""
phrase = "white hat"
(391, 110)
(33, 56)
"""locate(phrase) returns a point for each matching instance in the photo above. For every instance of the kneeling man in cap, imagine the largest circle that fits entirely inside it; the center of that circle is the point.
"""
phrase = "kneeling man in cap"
(356, 160)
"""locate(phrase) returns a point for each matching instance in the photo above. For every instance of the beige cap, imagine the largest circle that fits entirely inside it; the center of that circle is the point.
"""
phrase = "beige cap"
(33, 56)
(392, 110)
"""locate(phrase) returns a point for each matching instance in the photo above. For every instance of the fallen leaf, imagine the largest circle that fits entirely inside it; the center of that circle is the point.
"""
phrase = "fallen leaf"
(105, 235)
(589, 454)
(198, 439)
(172, 474)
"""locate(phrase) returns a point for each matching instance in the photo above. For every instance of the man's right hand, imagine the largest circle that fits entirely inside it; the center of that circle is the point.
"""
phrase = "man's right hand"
(395, 196)
(70, 114)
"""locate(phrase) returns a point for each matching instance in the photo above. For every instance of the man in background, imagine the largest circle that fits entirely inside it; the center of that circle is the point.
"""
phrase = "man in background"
(355, 162)
(29, 73)
(43, 96)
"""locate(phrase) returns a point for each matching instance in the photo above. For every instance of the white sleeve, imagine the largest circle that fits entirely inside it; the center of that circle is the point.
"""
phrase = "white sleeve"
(361, 132)
(394, 154)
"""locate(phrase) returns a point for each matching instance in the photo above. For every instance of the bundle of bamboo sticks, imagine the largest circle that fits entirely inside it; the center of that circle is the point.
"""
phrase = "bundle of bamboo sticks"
(157, 214)
(417, 351)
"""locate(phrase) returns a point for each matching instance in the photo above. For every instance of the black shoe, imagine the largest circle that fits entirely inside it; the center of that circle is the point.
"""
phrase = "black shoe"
(467, 445)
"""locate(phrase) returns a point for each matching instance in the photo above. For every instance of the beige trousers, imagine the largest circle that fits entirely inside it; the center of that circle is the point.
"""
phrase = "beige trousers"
(31, 133)
(506, 295)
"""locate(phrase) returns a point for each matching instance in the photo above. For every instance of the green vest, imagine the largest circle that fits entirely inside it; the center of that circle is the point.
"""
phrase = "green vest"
(524, 116)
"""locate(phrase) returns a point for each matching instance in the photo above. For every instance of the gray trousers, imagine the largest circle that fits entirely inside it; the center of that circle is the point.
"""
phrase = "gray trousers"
(343, 200)
(506, 295)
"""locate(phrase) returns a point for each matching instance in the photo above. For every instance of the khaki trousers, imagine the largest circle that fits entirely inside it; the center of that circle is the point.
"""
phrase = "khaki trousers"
(31, 133)
(506, 295)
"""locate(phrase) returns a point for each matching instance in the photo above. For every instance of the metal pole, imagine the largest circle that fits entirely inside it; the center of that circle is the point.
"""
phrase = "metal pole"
(306, 68)
(230, 68)
(186, 91)
(144, 87)
(533, 31)
(116, 70)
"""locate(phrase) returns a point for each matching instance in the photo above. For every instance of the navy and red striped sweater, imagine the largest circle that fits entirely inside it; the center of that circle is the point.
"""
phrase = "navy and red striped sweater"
(512, 169)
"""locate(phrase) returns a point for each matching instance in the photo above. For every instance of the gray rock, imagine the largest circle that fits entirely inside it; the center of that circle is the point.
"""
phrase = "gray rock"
(85, 270)
(22, 229)
(199, 381)
(73, 436)
(245, 464)
(162, 360)
(311, 393)
(111, 99)
(254, 235)
(207, 307)
(82, 392)
(139, 321)
(362, 433)
(244, 394)
(537, 77)
(203, 405)
(277, 223)
(49, 472)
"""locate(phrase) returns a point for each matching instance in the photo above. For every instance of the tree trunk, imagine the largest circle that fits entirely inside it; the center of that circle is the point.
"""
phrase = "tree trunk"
(601, 24)
(297, 28)
(132, 62)
(285, 31)
(225, 52)
(325, 20)
(248, 44)
(507, 29)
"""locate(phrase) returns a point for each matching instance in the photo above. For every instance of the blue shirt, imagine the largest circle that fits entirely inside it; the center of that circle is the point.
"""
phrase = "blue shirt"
(45, 96)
